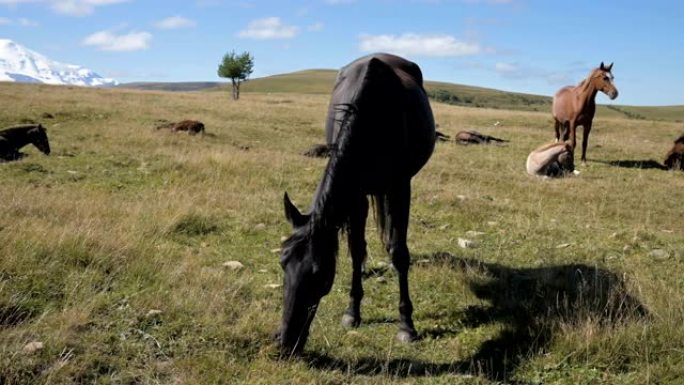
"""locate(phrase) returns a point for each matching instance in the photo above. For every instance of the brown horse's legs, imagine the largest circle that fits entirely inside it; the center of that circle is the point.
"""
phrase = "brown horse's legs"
(557, 127)
(357, 248)
(585, 141)
(571, 133)
(399, 204)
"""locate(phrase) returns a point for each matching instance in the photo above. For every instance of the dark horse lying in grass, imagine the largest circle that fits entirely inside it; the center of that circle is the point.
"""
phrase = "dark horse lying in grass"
(12, 139)
(381, 132)
(675, 157)
(474, 137)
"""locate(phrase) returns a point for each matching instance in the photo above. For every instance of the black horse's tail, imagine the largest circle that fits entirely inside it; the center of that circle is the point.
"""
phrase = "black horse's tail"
(382, 218)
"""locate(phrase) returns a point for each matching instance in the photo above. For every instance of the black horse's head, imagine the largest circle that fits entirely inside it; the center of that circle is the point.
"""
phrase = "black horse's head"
(308, 261)
(39, 139)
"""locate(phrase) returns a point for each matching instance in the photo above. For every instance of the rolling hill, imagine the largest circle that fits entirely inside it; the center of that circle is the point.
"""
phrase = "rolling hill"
(320, 81)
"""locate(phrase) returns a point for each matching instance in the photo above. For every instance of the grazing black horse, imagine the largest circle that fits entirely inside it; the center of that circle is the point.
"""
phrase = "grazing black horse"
(381, 132)
(12, 139)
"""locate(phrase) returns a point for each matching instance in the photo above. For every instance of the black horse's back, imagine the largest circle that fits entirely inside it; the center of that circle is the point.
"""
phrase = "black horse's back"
(394, 130)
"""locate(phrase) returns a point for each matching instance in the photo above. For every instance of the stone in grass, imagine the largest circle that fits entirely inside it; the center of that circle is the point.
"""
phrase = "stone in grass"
(272, 285)
(153, 313)
(466, 243)
(474, 234)
(260, 227)
(659, 254)
(33, 347)
(233, 265)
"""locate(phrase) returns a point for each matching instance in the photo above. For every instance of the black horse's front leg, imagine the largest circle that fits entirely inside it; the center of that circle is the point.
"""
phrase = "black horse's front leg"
(399, 205)
(357, 248)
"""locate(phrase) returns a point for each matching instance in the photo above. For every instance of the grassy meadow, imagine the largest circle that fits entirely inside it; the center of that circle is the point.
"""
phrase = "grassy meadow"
(112, 250)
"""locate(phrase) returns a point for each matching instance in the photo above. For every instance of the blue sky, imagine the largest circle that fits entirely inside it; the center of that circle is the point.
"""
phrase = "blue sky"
(529, 46)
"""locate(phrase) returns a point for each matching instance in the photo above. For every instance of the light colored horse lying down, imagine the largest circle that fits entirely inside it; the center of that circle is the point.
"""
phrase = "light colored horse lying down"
(551, 160)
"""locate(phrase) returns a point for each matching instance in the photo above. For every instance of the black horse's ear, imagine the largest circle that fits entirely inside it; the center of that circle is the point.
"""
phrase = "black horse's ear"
(602, 67)
(293, 215)
(610, 67)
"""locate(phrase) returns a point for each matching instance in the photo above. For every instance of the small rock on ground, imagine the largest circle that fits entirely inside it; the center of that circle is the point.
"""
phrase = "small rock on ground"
(233, 265)
(659, 254)
(465, 243)
(33, 347)
(153, 313)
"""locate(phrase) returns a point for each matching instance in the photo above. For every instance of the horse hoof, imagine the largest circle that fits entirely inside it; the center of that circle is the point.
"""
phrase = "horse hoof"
(407, 336)
(348, 321)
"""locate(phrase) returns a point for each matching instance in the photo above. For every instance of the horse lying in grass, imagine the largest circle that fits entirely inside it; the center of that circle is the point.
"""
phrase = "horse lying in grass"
(192, 127)
(381, 132)
(675, 157)
(12, 139)
(551, 160)
(474, 137)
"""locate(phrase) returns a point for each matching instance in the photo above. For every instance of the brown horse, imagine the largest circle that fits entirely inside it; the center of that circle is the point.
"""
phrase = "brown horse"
(12, 139)
(575, 106)
(551, 160)
(675, 157)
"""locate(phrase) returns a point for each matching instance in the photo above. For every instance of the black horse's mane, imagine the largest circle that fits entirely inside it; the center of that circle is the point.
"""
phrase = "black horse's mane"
(337, 180)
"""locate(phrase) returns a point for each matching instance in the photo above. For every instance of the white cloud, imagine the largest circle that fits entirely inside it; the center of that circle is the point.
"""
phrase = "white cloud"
(493, 2)
(516, 71)
(27, 22)
(109, 41)
(505, 68)
(23, 22)
(175, 22)
(268, 28)
(315, 27)
(67, 7)
(419, 45)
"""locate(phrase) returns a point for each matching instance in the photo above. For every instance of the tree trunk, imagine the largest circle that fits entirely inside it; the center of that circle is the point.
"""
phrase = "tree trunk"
(236, 88)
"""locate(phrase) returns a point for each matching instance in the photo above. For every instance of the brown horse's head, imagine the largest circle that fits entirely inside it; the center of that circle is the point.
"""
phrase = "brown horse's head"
(603, 80)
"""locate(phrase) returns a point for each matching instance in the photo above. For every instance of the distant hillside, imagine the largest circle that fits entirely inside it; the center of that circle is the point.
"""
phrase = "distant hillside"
(320, 81)
(174, 86)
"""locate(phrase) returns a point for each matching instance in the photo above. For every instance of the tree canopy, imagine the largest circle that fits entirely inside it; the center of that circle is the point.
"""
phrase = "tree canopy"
(237, 68)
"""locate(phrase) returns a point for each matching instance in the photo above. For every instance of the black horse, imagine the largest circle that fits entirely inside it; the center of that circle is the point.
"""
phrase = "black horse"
(381, 132)
(12, 139)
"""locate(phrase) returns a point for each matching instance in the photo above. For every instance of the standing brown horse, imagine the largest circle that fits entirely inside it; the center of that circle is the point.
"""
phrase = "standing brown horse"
(575, 106)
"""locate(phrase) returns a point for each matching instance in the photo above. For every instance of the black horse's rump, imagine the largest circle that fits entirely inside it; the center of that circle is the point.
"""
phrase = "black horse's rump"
(12, 139)
(379, 132)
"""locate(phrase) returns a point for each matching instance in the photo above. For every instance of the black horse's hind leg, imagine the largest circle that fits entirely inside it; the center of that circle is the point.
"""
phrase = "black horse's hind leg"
(357, 248)
(399, 202)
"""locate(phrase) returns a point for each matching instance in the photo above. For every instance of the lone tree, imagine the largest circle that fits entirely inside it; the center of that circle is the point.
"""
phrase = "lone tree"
(237, 68)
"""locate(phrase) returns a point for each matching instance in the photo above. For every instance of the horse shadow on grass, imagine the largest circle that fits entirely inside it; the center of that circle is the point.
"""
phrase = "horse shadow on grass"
(530, 302)
(646, 164)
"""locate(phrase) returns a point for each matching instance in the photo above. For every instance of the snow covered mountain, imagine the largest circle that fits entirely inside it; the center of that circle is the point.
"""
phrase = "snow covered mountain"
(18, 64)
